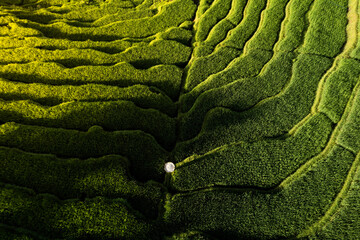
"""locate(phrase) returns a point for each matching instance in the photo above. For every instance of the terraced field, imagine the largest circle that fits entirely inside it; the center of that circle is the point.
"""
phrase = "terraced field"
(256, 102)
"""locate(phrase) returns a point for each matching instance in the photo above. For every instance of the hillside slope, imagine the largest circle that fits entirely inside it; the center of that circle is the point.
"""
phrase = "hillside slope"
(256, 102)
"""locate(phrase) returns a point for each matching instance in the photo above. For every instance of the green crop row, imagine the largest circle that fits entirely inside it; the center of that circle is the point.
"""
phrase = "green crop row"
(94, 17)
(343, 224)
(80, 11)
(217, 11)
(157, 52)
(200, 71)
(240, 94)
(245, 93)
(175, 33)
(266, 32)
(16, 30)
(349, 136)
(326, 34)
(97, 218)
(62, 44)
(271, 117)
(201, 68)
(165, 77)
(262, 122)
(247, 65)
(91, 11)
(238, 212)
(171, 14)
(203, 71)
(269, 28)
(203, 6)
(106, 176)
(114, 115)
(295, 25)
(142, 96)
(146, 156)
(262, 164)
(219, 31)
(338, 87)
(238, 36)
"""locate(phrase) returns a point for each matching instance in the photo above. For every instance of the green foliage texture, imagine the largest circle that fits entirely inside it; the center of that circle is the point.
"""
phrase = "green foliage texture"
(256, 102)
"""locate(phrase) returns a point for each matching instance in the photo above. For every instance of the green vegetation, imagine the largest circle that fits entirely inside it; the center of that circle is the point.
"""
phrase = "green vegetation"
(93, 218)
(216, 11)
(339, 86)
(326, 21)
(50, 95)
(257, 103)
(73, 178)
(242, 94)
(219, 31)
(341, 225)
(11, 233)
(244, 31)
(147, 159)
(159, 51)
(165, 77)
(262, 164)
(235, 213)
(295, 25)
(271, 117)
(192, 235)
(248, 65)
(7, 42)
(114, 115)
(348, 137)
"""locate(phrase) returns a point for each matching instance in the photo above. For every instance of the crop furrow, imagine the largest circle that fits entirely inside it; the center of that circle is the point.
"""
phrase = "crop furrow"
(184, 10)
(229, 112)
(306, 198)
(214, 14)
(326, 13)
(165, 77)
(57, 176)
(95, 142)
(231, 104)
(332, 141)
(147, 56)
(46, 17)
(249, 97)
(335, 203)
(289, 152)
(47, 95)
(330, 144)
(115, 47)
(239, 125)
(197, 72)
(270, 61)
(98, 215)
(112, 116)
(83, 12)
(307, 19)
(204, 5)
(255, 102)
(218, 79)
(238, 19)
